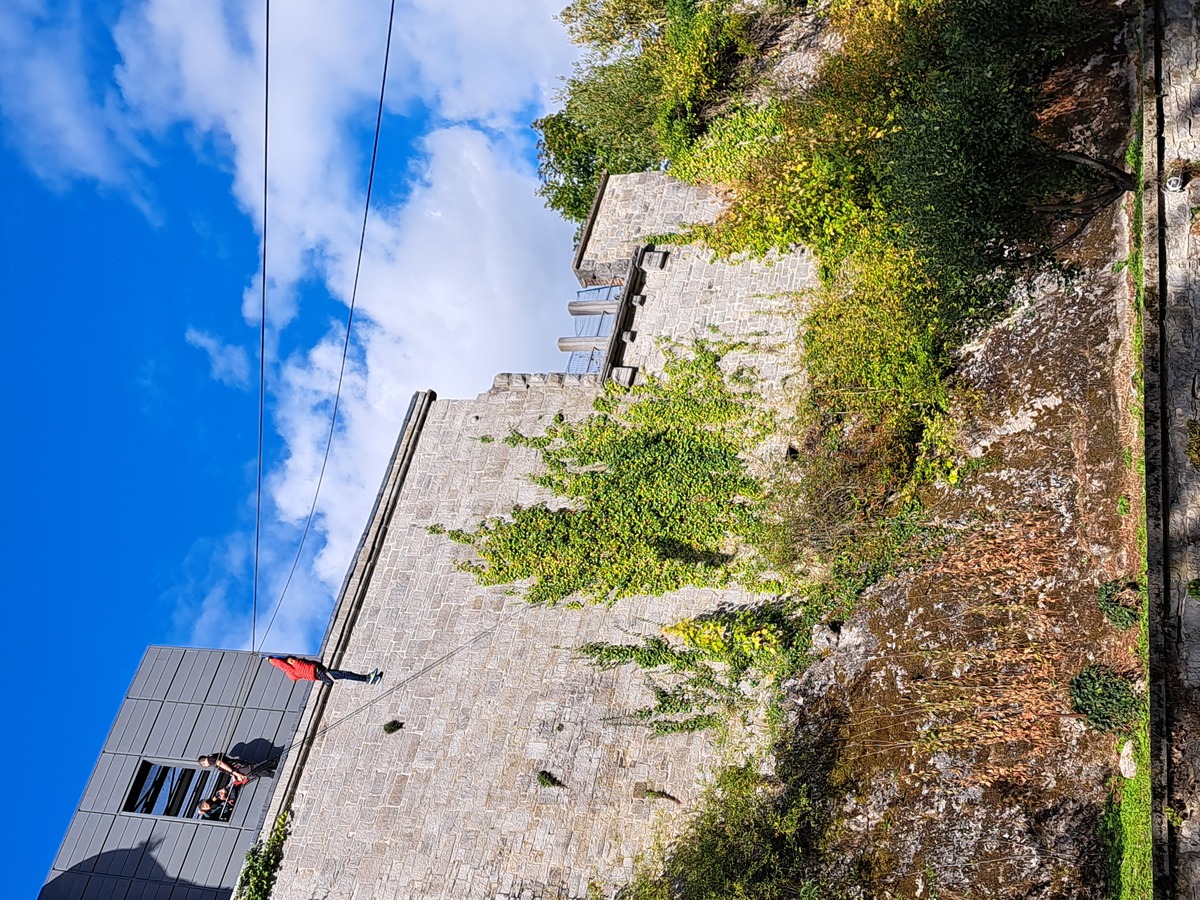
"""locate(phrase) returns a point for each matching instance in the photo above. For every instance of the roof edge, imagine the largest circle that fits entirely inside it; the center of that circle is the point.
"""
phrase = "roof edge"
(588, 223)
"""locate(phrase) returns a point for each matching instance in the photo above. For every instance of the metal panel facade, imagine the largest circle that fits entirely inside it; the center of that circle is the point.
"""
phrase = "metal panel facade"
(182, 703)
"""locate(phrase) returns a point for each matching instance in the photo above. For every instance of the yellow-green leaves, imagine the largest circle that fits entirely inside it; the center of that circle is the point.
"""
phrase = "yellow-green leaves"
(654, 494)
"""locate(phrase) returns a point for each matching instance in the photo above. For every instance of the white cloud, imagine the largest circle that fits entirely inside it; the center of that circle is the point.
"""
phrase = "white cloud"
(63, 127)
(482, 60)
(466, 279)
(228, 364)
(468, 276)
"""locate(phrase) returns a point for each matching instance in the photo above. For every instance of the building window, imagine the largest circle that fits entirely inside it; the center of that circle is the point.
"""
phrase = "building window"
(585, 362)
(604, 292)
(160, 789)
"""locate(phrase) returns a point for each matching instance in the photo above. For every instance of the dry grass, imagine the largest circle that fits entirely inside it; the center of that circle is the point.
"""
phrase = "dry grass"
(987, 683)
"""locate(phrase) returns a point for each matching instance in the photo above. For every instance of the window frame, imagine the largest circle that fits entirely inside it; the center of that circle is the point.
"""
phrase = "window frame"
(176, 788)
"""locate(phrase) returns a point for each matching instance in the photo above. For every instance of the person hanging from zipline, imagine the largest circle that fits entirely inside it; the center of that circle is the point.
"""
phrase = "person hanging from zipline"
(240, 771)
(299, 669)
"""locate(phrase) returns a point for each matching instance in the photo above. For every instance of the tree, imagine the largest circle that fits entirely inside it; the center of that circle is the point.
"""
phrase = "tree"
(611, 26)
(606, 124)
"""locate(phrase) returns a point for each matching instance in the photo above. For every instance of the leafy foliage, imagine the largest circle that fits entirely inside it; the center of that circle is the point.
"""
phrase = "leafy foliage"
(871, 343)
(606, 124)
(752, 837)
(656, 494)
(732, 144)
(645, 92)
(613, 26)
(924, 122)
(697, 57)
(913, 169)
(1104, 698)
(799, 186)
(262, 863)
(1108, 598)
(715, 657)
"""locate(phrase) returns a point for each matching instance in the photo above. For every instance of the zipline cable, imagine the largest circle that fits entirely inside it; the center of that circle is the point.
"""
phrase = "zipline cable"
(262, 324)
(247, 679)
(362, 240)
(255, 643)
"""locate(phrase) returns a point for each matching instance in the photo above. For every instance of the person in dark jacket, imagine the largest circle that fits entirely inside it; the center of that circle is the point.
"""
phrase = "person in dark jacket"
(232, 766)
(218, 807)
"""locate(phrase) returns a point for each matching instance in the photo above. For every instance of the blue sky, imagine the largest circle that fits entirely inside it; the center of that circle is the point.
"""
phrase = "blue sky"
(130, 221)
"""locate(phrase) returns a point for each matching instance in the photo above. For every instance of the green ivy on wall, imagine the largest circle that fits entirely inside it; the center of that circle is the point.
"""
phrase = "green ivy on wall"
(656, 494)
(262, 863)
(712, 663)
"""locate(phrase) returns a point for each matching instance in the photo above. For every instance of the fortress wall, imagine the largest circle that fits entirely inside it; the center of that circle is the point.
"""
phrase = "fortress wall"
(754, 301)
(450, 806)
(632, 208)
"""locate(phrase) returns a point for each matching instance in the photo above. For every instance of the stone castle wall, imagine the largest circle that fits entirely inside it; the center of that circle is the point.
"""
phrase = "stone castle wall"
(693, 296)
(633, 207)
(488, 688)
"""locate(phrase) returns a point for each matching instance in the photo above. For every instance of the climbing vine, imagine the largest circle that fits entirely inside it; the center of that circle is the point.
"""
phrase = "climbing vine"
(705, 668)
(654, 494)
(262, 863)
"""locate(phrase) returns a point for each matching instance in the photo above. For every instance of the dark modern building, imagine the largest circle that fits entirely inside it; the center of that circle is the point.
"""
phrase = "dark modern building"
(137, 833)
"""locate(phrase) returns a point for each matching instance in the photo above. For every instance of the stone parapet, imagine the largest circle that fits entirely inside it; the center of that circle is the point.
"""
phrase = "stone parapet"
(634, 207)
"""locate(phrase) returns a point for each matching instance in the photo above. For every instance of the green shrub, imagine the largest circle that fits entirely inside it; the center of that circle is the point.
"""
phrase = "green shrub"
(799, 188)
(606, 124)
(644, 94)
(701, 46)
(1108, 598)
(262, 863)
(871, 347)
(1105, 699)
(714, 658)
(613, 27)
(731, 146)
(751, 838)
(549, 779)
(655, 495)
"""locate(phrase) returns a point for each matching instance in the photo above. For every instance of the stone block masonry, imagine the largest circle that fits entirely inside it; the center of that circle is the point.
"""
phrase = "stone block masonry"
(487, 686)
(451, 806)
(631, 208)
(694, 296)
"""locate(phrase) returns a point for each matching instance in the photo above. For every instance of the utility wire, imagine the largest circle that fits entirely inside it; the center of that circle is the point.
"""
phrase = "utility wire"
(262, 324)
(254, 641)
(247, 678)
(362, 239)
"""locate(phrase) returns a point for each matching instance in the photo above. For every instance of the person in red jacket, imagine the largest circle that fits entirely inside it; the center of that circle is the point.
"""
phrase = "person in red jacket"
(299, 669)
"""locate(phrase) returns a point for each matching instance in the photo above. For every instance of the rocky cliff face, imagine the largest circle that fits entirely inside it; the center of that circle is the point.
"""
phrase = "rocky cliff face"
(966, 771)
